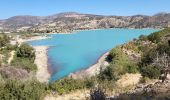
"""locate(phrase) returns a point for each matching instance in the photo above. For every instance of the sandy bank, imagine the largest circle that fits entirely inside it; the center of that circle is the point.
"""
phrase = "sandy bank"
(92, 70)
(41, 60)
(36, 38)
(20, 41)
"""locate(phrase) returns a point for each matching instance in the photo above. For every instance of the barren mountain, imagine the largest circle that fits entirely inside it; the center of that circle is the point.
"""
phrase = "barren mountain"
(74, 21)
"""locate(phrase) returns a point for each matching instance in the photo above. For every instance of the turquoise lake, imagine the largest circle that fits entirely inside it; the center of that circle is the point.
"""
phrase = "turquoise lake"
(69, 53)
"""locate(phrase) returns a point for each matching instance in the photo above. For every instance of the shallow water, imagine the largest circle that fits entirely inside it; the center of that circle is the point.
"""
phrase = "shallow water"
(72, 52)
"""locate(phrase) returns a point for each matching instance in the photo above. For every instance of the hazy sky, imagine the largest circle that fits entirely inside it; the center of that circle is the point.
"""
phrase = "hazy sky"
(10, 8)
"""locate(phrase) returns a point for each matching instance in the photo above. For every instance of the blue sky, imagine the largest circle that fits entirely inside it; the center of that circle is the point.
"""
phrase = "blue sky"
(10, 8)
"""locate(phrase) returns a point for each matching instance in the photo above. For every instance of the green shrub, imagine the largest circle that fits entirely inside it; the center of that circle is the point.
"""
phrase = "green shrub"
(89, 82)
(163, 48)
(25, 63)
(148, 57)
(119, 65)
(150, 71)
(68, 85)
(157, 36)
(4, 40)
(107, 74)
(18, 90)
(132, 68)
(25, 50)
(24, 58)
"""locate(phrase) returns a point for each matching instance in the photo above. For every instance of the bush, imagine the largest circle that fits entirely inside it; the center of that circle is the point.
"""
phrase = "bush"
(89, 82)
(150, 71)
(17, 90)
(107, 74)
(24, 58)
(25, 50)
(119, 65)
(68, 85)
(148, 57)
(132, 68)
(156, 37)
(163, 48)
(25, 63)
(4, 40)
(148, 60)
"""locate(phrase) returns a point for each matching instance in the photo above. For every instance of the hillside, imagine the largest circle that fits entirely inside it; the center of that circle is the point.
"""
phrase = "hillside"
(154, 64)
(68, 21)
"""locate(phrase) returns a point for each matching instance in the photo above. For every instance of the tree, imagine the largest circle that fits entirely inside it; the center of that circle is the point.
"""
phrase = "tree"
(162, 61)
(4, 39)
(25, 50)
(150, 71)
(107, 74)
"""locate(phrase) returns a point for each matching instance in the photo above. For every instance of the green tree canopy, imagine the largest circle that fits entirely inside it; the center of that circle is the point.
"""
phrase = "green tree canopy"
(25, 50)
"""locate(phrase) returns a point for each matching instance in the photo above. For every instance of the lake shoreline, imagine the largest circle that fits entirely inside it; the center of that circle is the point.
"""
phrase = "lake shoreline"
(76, 31)
(93, 69)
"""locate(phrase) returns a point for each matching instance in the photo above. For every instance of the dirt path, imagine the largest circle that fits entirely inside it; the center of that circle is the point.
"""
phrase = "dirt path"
(12, 53)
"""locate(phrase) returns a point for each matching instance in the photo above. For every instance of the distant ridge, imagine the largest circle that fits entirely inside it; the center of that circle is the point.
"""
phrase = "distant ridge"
(75, 21)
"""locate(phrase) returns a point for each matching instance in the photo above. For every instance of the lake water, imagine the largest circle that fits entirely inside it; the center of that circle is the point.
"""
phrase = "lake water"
(72, 52)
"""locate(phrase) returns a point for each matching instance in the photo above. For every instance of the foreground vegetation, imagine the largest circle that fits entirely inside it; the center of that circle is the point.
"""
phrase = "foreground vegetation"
(17, 80)
(19, 90)
(24, 58)
(148, 52)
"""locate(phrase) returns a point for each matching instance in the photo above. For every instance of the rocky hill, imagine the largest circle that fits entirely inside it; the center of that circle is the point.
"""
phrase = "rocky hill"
(75, 21)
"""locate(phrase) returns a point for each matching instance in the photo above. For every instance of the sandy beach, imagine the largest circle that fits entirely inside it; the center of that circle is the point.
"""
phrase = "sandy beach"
(41, 61)
(92, 70)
